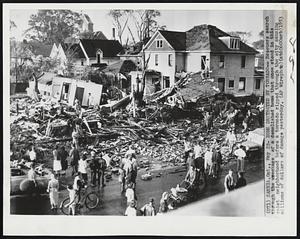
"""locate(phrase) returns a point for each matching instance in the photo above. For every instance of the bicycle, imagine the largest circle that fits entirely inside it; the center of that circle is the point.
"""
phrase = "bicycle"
(90, 200)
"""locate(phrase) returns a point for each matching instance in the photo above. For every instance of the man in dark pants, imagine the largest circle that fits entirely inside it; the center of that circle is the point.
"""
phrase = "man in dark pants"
(95, 169)
(102, 168)
(74, 155)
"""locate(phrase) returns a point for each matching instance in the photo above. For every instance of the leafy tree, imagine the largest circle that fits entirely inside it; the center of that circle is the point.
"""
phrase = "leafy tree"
(243, 35)
(50, 26)
(260, 43)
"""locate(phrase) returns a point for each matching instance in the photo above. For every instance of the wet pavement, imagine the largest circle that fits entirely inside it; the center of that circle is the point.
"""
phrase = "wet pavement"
(112, 202)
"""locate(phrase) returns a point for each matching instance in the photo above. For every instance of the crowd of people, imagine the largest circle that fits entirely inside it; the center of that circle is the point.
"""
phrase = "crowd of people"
(199, 157)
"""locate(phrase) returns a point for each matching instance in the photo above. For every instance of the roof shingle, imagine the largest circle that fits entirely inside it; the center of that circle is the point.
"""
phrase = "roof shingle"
(110, 48)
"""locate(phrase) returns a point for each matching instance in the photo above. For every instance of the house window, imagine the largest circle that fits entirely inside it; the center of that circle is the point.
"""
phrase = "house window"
(222, 62)
(203, 62)
(242, 83)
(234, 43)
(98, 57)
(158, 43)
(82, 62)
(156, 59)
(231, 84)
(243, 61)
(257, 84)
(166, 81)
(170, 59)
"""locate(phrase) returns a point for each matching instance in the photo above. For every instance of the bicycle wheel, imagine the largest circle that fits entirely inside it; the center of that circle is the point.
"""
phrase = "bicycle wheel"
(64, 209)
(91, 200)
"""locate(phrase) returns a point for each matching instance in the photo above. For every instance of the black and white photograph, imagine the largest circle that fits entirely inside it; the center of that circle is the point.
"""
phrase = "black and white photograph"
(141, 112)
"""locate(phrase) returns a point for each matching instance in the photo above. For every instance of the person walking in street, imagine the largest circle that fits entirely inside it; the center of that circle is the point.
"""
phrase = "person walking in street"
(131, 210)
(52, 189)
(240, 157)
(208, 160)
(241, 181)
(95, 169)
(82, 167)
(56, 161)
(102, 169)
(73, 201)
(74, 155)
(63, 159)
(149, 208)
(130, 195)
(229, 182)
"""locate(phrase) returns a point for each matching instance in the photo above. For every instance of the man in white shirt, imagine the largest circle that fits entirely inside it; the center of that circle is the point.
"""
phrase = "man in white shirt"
(129, 193)
(131, 210)
(208, 160)
(240, 154)
(32, 154)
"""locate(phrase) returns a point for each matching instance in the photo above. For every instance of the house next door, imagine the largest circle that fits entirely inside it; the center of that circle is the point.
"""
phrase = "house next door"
(79, 94)
(221, 84)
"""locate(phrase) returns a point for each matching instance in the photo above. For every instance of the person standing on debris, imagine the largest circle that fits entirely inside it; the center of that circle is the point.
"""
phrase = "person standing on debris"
(77, 107)
(208, 160)
(90, 100)
(190, 160)
(216, 158)
(74, 155)
(63, 159)
(56, 161)
(32, 154)
(230, 139)
(82, 168)
(229, 181)
(208, 119)
(149, 208)
(246, 121)
(75, 138)
(187, 149)
(122, 179)
(241, 181)
(190, 177)
(128, 168)
(240, 154)
(52, 189)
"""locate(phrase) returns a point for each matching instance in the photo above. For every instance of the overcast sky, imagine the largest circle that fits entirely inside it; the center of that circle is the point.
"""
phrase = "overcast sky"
(175, 20)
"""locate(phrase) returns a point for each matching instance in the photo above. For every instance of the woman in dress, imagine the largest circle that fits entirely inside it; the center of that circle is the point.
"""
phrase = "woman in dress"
(56, 161)
(53, 191)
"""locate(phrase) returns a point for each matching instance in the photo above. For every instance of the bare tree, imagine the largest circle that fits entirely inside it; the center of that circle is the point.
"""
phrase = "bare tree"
(120, 20)
(145, 23)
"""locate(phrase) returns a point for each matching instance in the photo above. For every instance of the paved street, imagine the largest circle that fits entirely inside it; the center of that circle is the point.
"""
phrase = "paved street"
(114, 203)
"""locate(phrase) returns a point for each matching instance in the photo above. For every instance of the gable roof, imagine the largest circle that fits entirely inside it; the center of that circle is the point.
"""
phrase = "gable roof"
(110, 48)
(175, 39)
(203, 37)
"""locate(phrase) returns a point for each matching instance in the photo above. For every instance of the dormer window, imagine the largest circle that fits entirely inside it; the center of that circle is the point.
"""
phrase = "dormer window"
(231, 42)
(158, 43)
(234, 43)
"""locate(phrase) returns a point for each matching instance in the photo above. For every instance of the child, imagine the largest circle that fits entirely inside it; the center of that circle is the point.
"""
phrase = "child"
(131, 210)
(72, 203)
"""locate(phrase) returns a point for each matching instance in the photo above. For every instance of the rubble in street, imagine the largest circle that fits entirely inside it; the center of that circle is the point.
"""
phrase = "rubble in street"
(156, 133)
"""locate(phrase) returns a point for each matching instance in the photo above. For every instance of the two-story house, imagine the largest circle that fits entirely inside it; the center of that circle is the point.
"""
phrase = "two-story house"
(228, 60)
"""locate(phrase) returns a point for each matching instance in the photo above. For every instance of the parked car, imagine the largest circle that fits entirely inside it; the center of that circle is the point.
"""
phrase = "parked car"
(254, 144)
(18, 176)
